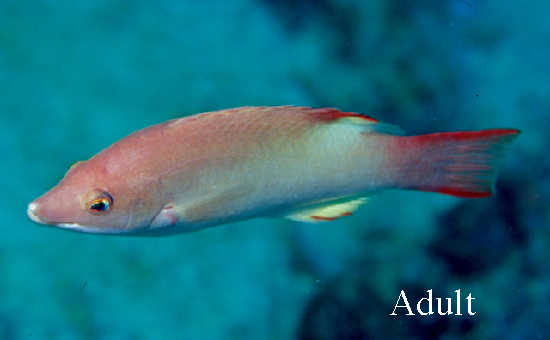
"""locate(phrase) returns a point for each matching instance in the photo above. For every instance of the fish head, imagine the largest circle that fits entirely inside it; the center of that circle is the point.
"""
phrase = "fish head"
(94, 198)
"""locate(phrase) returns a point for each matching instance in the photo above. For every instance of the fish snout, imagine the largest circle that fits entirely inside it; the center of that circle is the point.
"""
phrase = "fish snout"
(33, 213)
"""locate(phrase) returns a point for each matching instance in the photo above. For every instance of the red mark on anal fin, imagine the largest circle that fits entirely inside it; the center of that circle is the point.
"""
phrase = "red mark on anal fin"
(323, 218)
(329, 114)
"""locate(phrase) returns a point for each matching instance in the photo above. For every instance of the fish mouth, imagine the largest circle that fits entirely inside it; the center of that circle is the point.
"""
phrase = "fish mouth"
(31, 209)
(31, 213)
(32, 216)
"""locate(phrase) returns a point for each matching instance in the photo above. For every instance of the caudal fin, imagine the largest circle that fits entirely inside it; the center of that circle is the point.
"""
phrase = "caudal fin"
(463, 164)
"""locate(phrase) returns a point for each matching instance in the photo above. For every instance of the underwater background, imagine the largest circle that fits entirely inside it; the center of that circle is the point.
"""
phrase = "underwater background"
(77, 76)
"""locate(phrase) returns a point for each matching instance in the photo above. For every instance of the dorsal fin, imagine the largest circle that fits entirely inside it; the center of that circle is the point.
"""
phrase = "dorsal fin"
(364, 123)
(326, 211)
(330, 114)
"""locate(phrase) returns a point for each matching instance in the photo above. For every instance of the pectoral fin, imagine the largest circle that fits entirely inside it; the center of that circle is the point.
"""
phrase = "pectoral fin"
(217, 204)
(327, 210)
(212, 204)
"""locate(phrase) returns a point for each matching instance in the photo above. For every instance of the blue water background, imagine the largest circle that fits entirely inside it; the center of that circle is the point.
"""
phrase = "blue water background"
(77, 76)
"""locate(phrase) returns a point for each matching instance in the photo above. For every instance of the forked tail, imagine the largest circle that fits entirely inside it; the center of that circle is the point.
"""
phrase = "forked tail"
(463, 164)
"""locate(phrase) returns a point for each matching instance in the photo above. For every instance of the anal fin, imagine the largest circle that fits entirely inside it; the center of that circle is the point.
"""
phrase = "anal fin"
(327, 210)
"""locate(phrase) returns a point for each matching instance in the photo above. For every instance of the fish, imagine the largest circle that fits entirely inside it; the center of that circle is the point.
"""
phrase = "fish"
(299, 163)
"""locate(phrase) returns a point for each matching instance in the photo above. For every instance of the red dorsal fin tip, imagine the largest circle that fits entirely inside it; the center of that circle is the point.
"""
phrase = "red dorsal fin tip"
(330, 114)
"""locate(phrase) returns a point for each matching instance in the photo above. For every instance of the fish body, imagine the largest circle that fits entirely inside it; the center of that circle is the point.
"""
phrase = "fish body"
(300, 163)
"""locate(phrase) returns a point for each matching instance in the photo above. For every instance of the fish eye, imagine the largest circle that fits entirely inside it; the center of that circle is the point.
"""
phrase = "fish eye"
(98, 202)
(99, 205)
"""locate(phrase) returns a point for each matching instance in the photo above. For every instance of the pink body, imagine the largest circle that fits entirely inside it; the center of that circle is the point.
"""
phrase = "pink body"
(301, 163)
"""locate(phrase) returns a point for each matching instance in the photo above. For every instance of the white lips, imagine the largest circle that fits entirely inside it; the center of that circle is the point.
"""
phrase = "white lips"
(78, 227)
(88, 229)
(30, 212)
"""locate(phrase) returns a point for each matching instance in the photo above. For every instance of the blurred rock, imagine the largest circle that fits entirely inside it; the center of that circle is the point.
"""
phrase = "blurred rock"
(478, 235)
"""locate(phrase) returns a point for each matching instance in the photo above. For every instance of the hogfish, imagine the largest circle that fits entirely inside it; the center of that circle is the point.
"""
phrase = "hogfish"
(300, 163)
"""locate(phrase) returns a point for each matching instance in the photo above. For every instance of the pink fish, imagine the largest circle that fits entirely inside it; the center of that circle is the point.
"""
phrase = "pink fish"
(299, 163)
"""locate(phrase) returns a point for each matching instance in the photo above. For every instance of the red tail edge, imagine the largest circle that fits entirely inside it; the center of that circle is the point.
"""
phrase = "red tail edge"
(462, 164)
